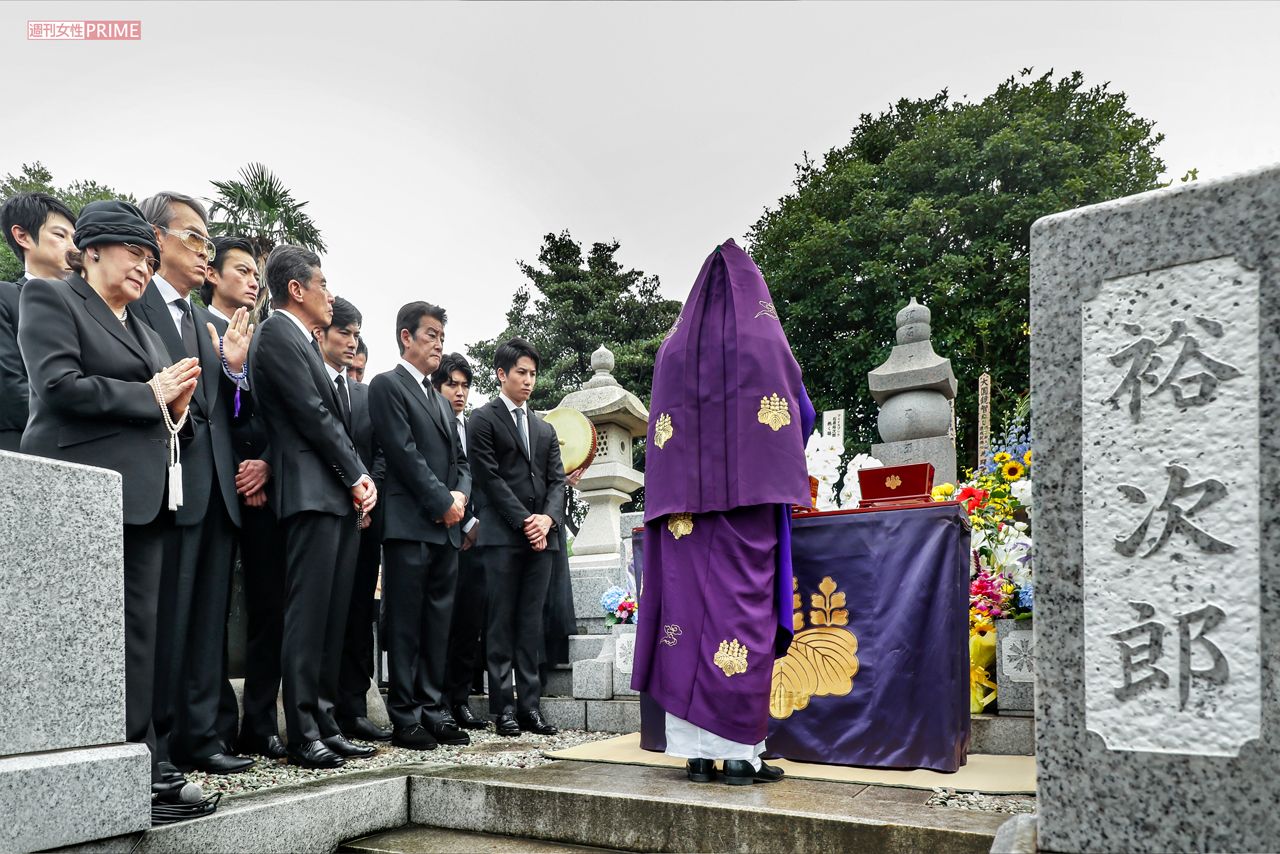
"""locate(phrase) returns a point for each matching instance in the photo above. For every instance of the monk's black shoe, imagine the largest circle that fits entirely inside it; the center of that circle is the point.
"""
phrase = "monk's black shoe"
(701, 770)
(738, 772)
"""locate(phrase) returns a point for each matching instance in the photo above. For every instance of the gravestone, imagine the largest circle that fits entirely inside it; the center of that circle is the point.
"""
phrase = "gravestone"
(914, 389)
(1155, 365)
(66, 774)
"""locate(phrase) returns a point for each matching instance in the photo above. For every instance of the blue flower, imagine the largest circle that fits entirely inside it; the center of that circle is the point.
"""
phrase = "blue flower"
(611, 599)
(1027, 596)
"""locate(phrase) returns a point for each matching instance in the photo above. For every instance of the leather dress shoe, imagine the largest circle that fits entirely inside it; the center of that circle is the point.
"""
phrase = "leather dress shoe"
(222, 763)
(506, 725)
(467, 718)
(167, 776)
(271, 747)
(313, 754)
(339, 745)
(364, 729)
(446, 731)
(414, 737)
(701, 770)
(738, 772)
(534, 722)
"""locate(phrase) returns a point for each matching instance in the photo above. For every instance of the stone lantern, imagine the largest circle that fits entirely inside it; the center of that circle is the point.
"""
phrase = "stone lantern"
(914, 389)
(598, 561)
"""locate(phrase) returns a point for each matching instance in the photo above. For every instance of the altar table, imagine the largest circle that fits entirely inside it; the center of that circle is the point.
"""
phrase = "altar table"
(878, 674)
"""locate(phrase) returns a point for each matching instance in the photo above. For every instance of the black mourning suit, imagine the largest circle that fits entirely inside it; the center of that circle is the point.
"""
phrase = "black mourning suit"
(13, 373)
(413, 426)
(90, 404)
(511, 485)
(356, 671)
(314, 464)
(466, 629)
(199, 553)
(262, 560)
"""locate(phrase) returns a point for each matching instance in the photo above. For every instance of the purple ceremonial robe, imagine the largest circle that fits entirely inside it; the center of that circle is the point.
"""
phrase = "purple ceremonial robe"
(724, 462)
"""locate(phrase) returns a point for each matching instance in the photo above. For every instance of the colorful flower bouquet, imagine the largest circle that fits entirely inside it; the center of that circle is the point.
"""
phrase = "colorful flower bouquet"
(822, 456)
(998, 499)
(619, 606)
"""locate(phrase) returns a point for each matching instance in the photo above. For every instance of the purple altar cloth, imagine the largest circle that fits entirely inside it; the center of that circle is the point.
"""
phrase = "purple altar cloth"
(905, 577)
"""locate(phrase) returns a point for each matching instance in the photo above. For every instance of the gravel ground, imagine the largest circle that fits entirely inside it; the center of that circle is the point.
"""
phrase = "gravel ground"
(985, 803)
(486, 748)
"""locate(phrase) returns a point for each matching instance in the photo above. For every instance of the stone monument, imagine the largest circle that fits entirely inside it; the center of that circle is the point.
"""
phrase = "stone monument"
(914, 389)
(619, 417)
(66, 774)
(1155, 368)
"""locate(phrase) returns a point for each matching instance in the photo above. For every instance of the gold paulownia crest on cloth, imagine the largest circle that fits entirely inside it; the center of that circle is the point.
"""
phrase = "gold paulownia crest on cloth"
(774, 412)
(680, 524)
(731, 657)
(662, 431)
(822, 660)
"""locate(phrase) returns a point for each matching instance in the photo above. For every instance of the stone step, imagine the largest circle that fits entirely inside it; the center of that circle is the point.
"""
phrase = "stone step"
(435, 840)
(559, 681)
(582, 647)
(656, 809)
(1004, 735)
(590, 715)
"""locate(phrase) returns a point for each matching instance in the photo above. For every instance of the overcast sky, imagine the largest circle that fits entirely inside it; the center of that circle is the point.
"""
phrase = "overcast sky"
(438, 142)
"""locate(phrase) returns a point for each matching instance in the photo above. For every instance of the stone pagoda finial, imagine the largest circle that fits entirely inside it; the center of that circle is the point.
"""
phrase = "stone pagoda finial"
(914, 388)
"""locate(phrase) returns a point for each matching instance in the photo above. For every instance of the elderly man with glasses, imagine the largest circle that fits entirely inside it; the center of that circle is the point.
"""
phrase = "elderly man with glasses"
(199, 553)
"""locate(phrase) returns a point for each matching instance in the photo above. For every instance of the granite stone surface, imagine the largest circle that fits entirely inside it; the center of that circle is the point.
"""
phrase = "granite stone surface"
(61, 605)
(1015, 665)
(1160, 729)
(565, 712)
(613, 715)
(65, 797)
(585, 646)
(1016, 836)
(1002, 735)
(630, 521)
(939, 450)
(310, 817)
(593, 679)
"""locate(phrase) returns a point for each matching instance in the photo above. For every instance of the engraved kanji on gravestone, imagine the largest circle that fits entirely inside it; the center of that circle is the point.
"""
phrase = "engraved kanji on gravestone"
(1138, 662)
(1144, 362)
(1130, 661)
(1175, 515)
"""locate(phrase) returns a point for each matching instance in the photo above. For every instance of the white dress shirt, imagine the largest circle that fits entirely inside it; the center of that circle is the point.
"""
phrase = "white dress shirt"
(298, 323)
(511, 410)
(213, 309)
(171, 297)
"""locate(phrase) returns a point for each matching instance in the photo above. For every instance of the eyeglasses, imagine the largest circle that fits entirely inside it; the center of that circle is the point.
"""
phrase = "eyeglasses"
(153, 263)
(195, 241)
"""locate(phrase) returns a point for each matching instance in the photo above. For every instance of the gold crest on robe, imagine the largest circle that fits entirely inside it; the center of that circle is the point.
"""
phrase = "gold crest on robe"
(663, 430)
(680, 524)
(731, 657)
(774, 412)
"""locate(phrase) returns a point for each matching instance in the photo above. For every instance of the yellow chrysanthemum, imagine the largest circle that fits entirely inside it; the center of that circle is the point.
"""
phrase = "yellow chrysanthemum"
(1026, 458)
(1013, 470)
(1002, 457)
(943, 491)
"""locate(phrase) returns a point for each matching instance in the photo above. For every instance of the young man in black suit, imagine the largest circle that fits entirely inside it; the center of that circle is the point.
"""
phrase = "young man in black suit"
(200, 552)
(519, 498)
(338, 345)
(318, 486)
(38, 228)
(427, 484)
(466, 631)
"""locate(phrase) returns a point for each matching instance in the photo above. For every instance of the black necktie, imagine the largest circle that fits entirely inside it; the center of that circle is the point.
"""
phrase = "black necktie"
(188, 327)
(343, 403)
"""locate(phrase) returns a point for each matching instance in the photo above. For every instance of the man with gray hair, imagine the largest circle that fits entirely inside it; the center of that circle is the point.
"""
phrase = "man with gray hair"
(320, 490)
(196, 580)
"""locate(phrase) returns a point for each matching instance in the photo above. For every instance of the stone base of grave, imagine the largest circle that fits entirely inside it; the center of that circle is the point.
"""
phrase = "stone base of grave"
(939, 450)
(63, 797)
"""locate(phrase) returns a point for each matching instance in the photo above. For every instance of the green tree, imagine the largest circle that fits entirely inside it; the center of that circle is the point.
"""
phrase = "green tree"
(260, 207)
(568, 308)
(935, 199)
(35, 178)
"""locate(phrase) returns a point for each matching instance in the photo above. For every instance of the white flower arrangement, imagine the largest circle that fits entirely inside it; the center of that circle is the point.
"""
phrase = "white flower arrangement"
(822, 455)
